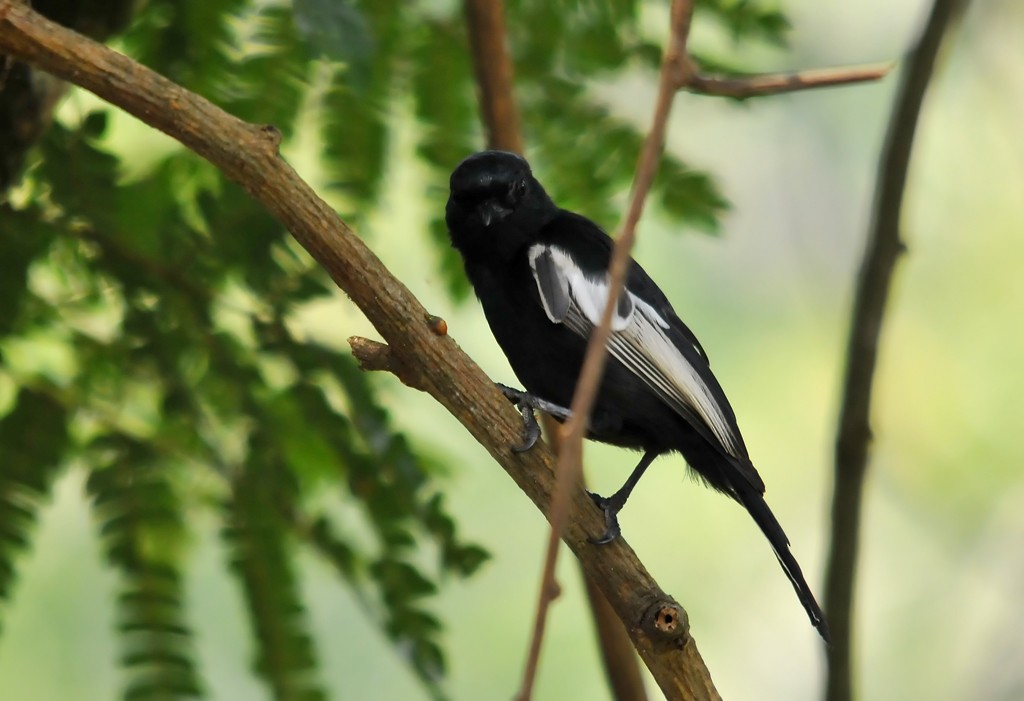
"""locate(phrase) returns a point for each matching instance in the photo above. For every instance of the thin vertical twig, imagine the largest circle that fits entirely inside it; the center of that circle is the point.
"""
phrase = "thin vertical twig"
(494, 72)
(875, 280)
(619, 657)
(570, 457)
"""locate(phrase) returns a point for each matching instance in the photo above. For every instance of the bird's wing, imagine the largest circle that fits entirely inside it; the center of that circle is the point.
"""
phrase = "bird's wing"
(639, 340)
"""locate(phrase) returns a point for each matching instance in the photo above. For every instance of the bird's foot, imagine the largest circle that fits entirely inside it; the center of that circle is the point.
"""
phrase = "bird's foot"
(610, 507)
(527, 405)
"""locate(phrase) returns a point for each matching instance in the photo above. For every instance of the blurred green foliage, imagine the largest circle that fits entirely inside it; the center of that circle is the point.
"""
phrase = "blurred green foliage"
(184, 384)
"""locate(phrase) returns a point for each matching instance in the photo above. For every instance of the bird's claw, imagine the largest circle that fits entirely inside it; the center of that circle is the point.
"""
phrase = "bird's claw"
(611, 519)
(527, 405)
(531, 429)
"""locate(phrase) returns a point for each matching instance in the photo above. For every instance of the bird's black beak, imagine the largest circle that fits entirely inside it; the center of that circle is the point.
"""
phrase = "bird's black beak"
(492, 211)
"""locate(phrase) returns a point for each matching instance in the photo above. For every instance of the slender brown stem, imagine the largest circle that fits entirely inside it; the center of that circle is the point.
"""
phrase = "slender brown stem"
(570, 457)
(617, 653)
(854, 433)
(744, 86)
(493, 68)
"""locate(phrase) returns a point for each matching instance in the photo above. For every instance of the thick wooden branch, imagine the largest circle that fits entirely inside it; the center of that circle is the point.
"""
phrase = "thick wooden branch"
(657, 625)
(248, 154)
(854, 434)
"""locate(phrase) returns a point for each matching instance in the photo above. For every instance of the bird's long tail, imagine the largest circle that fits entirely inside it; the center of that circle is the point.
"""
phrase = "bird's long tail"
(763, 516)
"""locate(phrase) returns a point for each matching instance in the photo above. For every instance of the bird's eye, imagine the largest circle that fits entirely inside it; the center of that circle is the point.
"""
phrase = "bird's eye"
(518, 189)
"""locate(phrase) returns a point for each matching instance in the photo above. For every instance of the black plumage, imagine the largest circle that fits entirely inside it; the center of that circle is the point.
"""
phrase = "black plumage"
(540, 273)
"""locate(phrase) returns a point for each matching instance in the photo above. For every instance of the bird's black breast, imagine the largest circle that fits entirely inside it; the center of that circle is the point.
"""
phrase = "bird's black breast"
(541, 353)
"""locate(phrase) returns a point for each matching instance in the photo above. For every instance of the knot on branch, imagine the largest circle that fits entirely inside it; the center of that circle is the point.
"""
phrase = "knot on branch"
(437, 325)
(373, 355)
(665, 624)
(272, 136)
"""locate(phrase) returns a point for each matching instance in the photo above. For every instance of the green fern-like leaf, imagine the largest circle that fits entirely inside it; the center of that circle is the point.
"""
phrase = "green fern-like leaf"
(577, 39)
(747, 20)
(441, 78)
(355, 112)
(157, 644)
(189, 42)
(576, 182)
(247, 57)
(449, 127)
(689, 196)
(391, 481)
(270, 71)
(355, 136)
(337, 29)
(33, 440)
(141, 524)
(26, 237)
(257, 535)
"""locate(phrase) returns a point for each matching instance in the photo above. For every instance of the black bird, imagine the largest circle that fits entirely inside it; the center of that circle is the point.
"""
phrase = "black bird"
(541, 274)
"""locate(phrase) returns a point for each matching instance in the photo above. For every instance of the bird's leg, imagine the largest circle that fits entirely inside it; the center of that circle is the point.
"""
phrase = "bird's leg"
(613, 504)
(527, 404)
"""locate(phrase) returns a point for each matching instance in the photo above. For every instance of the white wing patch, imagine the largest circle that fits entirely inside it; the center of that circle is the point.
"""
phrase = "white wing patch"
(638, 338)
(588, 294)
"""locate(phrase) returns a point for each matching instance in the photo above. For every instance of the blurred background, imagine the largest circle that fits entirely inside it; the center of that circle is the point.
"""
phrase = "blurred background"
(938, 603)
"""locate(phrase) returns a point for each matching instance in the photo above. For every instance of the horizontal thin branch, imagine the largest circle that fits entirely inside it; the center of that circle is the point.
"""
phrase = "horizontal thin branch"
(744, 86)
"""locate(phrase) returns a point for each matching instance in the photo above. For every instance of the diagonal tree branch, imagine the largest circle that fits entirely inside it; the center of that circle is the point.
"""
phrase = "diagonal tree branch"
(854, 434)
(662, 636)
(248, 154)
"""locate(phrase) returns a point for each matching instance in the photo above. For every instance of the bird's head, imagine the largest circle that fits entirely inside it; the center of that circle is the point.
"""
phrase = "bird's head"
(494, 202)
